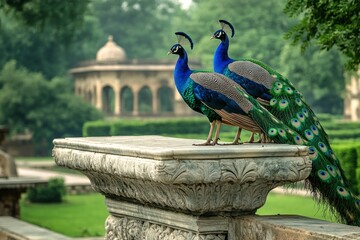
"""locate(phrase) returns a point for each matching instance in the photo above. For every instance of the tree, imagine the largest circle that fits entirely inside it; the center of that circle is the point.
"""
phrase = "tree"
(47, 108)
(330, 23)
(141, 27)
(46, 36)
(320, 85)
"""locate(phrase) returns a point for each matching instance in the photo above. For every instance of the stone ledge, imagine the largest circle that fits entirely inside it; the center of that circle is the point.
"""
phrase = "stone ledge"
(171, 173)
(285, 227)
(15, 229)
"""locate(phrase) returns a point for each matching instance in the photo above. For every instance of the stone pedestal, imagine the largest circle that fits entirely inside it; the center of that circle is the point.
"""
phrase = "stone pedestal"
(10, 193)
(166, 188)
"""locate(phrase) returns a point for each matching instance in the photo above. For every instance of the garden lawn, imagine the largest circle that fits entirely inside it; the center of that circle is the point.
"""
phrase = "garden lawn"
(293, 205)
(77, 216)
(84, 215)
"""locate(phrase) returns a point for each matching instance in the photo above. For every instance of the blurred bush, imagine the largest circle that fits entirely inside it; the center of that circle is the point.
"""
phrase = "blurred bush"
(53, 192)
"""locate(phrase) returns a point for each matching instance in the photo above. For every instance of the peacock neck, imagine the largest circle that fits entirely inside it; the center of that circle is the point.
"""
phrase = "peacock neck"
(221, 57)
(182, 72)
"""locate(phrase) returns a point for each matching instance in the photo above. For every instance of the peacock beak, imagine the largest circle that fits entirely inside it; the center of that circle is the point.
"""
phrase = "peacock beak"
(212, 37)
(169, 52)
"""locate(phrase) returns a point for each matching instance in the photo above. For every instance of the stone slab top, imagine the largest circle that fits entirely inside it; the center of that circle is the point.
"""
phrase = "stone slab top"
(20, 182)
(169, 148)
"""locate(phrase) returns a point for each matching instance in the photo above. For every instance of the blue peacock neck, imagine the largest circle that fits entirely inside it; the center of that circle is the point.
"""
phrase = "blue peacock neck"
(221, 57)
(182, 72)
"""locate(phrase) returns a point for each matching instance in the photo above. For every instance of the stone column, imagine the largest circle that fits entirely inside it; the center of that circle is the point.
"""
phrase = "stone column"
(166, 188)
(136, 102)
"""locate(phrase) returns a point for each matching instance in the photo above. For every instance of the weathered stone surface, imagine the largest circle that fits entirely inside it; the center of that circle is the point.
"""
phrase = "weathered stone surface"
(290, 227)
(171, 173)
(15, 229)
(10, 192)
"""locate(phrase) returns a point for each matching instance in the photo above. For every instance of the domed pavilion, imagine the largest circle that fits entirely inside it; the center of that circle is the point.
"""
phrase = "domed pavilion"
(122, 87)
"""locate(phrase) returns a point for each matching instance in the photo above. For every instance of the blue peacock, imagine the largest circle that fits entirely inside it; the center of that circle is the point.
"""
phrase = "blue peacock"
(269, 89)
(191, 92)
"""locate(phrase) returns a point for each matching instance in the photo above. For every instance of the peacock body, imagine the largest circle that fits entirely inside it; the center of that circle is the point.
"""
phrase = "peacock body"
(266, 88)
(191, 92)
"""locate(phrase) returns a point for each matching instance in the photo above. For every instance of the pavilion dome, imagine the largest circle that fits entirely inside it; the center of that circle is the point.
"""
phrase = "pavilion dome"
(111, 52)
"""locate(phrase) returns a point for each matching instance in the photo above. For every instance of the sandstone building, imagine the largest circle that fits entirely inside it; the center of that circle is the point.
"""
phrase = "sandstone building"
(352, 98)
(121, 87)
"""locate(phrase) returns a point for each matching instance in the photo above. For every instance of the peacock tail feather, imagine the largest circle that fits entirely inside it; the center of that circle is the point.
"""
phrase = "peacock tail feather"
(285, 117)
(327, 180)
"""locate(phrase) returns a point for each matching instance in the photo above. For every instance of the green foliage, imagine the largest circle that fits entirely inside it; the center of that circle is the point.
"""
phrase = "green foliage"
(348, 159)
(52, 193)
(146, 127)
(141, 27)
(47, 108)
(330, 23)
(96, 128)
(42, 34)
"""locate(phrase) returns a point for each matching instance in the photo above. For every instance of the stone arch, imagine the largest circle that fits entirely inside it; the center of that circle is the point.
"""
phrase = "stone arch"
(108, 100)
(145, 100)
(166, 99)
(126, 100)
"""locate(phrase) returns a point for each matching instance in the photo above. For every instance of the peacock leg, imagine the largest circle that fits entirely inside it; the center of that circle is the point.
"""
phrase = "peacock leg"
(251, 139)
(237, 137)
(217, 133)
(208, 140)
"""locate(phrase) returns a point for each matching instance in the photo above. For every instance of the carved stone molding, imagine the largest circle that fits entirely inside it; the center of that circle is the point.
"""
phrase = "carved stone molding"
(173, 174)
(125, 228)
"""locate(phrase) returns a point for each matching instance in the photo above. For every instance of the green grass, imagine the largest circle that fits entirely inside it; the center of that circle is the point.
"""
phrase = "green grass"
(78, 216)
(293, 205)
(84, 215)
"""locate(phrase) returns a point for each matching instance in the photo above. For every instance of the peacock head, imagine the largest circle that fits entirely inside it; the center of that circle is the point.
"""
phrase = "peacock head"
(178, 48)
(221, 34)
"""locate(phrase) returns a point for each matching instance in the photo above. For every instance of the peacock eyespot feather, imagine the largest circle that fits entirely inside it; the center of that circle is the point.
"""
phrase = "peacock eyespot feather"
(332, 170)
(314, 129)
(298, 140)
(357, 203)
(278, 84)
(298, 102)
(322, 147)
(305, 111)
(283, 103)
(272, 132)
(277, 90)
(282, 133)
(295, 123)
(324, 175)
(273, 102)
(343, 192)
(333, 156)
(313, 154)
(301, 117)
(317, 123)
(308, 134)
(289, 91)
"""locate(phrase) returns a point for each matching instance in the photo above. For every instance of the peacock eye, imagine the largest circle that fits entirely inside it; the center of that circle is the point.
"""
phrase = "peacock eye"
(219, 34)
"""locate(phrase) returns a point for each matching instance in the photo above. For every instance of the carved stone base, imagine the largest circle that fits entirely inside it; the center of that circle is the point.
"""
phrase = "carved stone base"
(166, 188)
(135, 222)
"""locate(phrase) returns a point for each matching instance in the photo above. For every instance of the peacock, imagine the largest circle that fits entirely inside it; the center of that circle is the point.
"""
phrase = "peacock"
(267, 89)
(189, 90)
